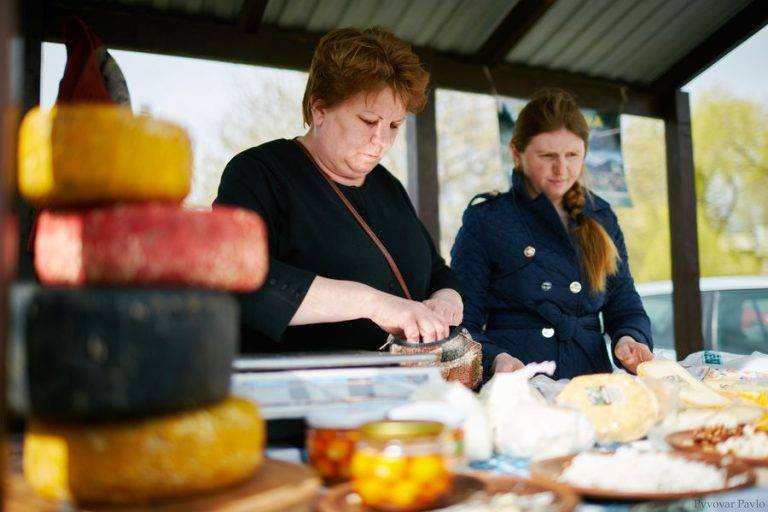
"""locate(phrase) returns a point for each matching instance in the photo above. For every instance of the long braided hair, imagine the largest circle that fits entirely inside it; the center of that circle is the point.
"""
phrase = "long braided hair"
(551, 110)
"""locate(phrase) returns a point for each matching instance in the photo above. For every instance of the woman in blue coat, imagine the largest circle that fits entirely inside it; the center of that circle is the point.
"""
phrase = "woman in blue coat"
(539, 263)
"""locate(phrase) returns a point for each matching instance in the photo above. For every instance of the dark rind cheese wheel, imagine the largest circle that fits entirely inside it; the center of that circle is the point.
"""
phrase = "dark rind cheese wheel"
(152, 244)
(100, 353)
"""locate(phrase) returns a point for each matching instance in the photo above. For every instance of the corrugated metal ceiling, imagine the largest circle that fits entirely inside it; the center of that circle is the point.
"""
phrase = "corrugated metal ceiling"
(449, 25)
(627, 40)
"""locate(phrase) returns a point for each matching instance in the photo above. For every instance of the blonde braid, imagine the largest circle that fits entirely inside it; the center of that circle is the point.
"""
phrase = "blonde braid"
(599, 256)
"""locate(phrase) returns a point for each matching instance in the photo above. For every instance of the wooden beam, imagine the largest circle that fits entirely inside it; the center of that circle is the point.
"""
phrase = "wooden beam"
(515, 25)
(251, 14)
(522, 81)
(422, 167)
(281, 48)
(681, 197)
(173, 35)
(734, 32)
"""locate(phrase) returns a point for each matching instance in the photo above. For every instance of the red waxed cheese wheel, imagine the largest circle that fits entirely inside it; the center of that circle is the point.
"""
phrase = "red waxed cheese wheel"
(152, 244)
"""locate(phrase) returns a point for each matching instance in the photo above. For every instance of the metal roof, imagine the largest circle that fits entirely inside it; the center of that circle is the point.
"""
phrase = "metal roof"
(628, 40)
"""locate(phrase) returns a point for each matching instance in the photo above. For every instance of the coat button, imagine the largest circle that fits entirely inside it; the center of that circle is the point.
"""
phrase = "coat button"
(546, 286)
(575, 287)
(529, 251)
(547, 332)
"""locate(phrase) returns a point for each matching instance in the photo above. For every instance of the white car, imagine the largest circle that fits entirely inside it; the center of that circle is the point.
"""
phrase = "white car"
(734, 313)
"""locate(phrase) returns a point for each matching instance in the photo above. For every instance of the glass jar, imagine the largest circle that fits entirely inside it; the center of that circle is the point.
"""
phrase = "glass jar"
(331, 439)
(436, 411)
(402, 466)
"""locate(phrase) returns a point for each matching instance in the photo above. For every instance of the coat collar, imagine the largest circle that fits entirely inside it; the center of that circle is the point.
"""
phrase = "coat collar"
(542, 209)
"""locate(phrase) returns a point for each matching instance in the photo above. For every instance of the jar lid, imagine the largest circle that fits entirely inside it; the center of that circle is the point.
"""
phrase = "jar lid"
(428, 411)
(347, 417)
(392, 430)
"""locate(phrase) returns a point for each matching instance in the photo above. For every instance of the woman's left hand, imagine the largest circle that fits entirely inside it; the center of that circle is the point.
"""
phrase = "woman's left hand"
(631, 353)
(447, 303)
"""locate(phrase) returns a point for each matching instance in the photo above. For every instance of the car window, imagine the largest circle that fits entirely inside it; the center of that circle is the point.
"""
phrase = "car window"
(659, 309)
(742, 321)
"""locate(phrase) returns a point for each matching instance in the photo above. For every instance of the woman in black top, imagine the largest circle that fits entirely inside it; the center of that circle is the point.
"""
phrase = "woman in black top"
(329, 287)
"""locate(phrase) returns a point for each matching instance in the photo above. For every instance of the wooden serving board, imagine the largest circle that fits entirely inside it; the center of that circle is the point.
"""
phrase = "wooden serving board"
(684, 441)
(277, 486)
(342, 498)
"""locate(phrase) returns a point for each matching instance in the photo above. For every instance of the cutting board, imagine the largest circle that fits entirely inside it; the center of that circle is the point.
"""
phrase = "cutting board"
(278, 486)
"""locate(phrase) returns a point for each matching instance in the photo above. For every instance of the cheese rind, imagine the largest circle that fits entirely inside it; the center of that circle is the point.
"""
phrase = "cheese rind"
(620, 407)
(126, 352)
(91, 153)
(143, 461)
(156, 244)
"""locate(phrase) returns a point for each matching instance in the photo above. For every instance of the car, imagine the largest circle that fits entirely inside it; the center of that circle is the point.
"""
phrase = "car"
(734, 313)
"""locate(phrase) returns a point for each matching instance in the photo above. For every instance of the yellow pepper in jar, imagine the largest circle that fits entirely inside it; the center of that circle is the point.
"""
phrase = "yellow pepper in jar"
(401, 466)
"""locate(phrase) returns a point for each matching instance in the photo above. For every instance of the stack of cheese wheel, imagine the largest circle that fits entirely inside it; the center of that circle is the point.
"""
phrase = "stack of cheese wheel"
(129, 344)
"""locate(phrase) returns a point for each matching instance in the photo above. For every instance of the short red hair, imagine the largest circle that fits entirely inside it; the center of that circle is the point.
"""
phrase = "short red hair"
(348, 61)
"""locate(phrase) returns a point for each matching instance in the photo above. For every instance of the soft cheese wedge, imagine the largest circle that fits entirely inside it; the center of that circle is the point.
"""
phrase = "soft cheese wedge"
(692, 393)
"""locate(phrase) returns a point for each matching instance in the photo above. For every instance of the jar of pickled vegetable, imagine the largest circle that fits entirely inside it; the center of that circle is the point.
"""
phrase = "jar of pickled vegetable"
(331, 439)
(402, 466)
(436, 411)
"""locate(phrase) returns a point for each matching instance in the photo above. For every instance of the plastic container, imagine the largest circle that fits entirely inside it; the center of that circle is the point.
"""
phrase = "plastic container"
(402, 466)
(331, 439)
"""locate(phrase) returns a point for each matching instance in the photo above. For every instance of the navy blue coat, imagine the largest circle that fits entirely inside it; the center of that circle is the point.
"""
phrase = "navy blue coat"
(525, 292)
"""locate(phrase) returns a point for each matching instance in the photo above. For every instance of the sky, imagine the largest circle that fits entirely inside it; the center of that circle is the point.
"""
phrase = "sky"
(744, 71)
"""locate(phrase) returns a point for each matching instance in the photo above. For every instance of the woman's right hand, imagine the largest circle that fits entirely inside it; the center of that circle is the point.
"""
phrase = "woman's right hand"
(407, 319)
(506, 363)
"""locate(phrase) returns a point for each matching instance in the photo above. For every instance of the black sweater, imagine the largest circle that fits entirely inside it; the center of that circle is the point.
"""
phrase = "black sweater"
(311, 233)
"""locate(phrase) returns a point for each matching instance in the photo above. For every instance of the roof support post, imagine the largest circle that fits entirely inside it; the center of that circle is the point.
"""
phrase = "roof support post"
(422, 166)
(681, 197)
(32, 28)
(9, 105)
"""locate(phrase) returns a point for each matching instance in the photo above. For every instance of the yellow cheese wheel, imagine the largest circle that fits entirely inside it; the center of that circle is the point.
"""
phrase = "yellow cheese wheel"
(142, 461)
(620, 407)
(92, 153)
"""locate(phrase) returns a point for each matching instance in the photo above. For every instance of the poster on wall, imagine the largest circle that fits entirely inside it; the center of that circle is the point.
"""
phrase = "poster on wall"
(605, 162)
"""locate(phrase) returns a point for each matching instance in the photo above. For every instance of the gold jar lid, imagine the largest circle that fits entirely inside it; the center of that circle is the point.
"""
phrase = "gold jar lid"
(393, 429)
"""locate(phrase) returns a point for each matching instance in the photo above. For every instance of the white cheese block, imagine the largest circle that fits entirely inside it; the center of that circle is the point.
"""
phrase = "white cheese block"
(523, 424)
(620, 407)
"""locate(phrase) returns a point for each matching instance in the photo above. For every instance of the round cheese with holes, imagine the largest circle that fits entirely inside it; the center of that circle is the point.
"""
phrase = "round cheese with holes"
(620, 407)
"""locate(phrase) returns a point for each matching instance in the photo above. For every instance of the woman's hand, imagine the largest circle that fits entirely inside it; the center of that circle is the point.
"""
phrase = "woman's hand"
(447, 303)
(407, 319)
(506, 363)
(631, 353)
